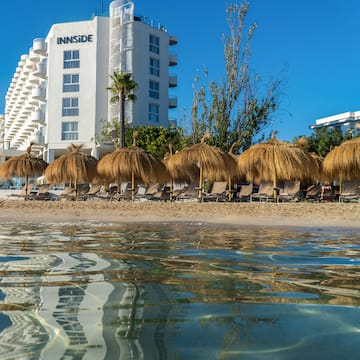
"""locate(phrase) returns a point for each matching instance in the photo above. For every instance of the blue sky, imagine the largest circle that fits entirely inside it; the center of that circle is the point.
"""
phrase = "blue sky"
(311, 44)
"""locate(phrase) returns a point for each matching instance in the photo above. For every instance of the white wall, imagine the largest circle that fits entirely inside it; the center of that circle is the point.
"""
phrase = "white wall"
(93, 73)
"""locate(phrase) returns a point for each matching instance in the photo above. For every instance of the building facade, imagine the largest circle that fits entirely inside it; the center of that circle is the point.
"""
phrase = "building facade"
(347, 122)
(58, 93)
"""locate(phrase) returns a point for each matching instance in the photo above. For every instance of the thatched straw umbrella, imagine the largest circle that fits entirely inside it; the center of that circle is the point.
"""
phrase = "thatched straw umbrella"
(73, 167)
(213, 164)
(343, 162)
(24, 165)
(275, 160)
(132, 164)
(178, 173)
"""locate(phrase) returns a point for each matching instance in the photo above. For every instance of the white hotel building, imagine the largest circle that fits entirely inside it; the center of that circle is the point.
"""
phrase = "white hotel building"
(347, 122)
(58, 93)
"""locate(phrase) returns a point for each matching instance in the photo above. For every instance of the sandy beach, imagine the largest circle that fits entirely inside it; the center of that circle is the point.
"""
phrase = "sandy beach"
(303, 214)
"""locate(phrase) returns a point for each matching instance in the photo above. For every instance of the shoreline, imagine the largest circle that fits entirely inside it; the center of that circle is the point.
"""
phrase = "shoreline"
(261, 215)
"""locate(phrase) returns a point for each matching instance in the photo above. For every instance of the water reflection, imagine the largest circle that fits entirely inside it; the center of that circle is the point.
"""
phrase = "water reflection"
(176, 291)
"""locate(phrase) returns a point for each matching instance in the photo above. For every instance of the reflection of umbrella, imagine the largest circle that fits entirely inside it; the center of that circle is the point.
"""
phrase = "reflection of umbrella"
(276, 160)
(132, 164)
(24, 165)
(343, 162)
(73, 167)
(213, 163)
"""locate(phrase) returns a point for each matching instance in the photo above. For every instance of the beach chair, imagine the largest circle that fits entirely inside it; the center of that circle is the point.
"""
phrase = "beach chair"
(327, 193)
(313, 193)
(124, 194)
(245, 192)
(265, 193)
(218, 192)
(151, 191)
(22, 194)
(42, 193)
(189, 193)
(92, 192)
(140, 192)
(161, 195)
(290, 191)
(350, 191)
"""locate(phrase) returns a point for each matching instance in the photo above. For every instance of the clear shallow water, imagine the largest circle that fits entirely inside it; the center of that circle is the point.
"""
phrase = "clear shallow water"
(177, 291)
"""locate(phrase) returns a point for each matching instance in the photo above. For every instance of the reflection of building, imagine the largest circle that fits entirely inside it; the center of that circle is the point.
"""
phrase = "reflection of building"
(346, 122)
(58, 93)
(74, 315)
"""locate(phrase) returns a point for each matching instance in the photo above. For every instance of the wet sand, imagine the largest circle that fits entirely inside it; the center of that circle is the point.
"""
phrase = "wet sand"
(303, 214)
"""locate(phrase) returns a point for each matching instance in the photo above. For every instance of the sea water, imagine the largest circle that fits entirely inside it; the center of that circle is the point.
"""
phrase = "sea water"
(178, 291)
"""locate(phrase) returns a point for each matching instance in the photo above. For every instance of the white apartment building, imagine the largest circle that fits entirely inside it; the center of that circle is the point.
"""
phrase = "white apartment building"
(58, 93)
(346, 122)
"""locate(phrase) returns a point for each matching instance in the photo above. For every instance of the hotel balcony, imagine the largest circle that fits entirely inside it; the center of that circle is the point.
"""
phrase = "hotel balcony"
(173, 81)
(37, 117)
(173, 40)
(173, 103)
(30, 65)
(34, 79)
(34, 102)
(38, 93)
(40, 70)
(39, 46)
(29, 85)
(173, 59)
(33, 56)
(38, 139)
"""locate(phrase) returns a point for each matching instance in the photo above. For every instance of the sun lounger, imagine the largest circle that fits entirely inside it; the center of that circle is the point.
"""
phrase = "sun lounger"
(189, 193)
(161, 195)
(42, 193)
(290, 191)
(245, 192)
(350, 191)
(151, 191)
(124, 194)
(265, 193)
(22, 194)
(218, 192)
(313, 193)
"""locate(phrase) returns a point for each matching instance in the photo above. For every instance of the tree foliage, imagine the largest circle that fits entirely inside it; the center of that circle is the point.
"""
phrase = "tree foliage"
(122, 91)
(154, 139)
(322, 140)
(241, 105)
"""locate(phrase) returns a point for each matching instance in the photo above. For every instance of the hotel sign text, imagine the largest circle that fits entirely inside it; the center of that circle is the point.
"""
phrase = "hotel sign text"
(74, 39)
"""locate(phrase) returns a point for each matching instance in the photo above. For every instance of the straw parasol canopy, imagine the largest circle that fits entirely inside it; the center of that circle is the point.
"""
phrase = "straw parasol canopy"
(74, 167)
(212, 163)
(24, 165)
(179, 173)
(343, 162)
(132, 164)
(275, 160)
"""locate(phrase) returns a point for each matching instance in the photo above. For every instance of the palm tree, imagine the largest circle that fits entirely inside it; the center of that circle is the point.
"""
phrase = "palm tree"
(122, 90)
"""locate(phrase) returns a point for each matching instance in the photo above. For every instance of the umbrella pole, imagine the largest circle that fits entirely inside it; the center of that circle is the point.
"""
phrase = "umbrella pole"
(133, 186)
(171, 189)
(275, 188)
(230, 194)
(76, 191)
(26, 186)
(200, 183)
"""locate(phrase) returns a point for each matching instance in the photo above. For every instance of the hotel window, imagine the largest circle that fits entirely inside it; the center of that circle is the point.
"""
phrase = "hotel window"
(154, 89)
(154, 44)
(71, 59)
(70, 107)
(155, 67)
(71, 83)
(153, 112)
(69, 130)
